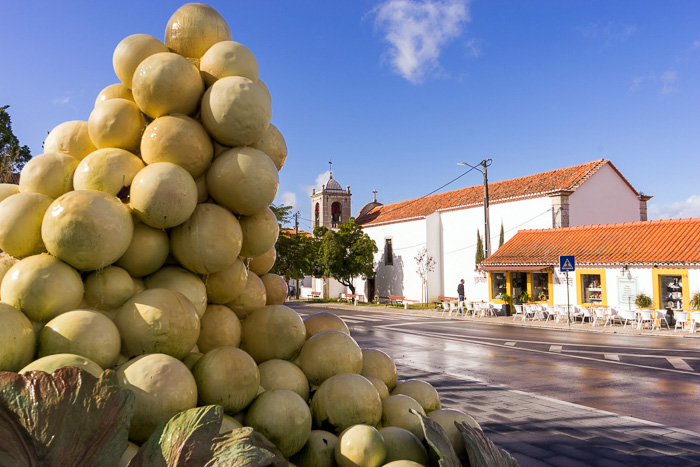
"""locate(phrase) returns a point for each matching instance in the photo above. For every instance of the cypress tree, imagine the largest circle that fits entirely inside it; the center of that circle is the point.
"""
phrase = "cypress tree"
(479, 248)
(502, 238)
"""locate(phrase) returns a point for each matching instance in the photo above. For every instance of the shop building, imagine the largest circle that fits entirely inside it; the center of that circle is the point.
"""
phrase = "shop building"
(614, 264)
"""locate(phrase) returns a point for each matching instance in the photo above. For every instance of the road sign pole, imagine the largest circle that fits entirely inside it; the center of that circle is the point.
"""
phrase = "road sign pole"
(568, 307)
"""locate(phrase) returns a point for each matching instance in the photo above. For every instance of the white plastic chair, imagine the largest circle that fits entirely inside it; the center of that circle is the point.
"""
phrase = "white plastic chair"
(598, 314)
(694, 318)
(529, 311)
(661, 318)
(646, 316)
(611, 315)
(627, 316)
(518, 311)
(551, 312)
(585, 313)
(682, 320)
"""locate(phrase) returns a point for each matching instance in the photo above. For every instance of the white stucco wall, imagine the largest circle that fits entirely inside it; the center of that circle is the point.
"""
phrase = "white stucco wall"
(604, 198)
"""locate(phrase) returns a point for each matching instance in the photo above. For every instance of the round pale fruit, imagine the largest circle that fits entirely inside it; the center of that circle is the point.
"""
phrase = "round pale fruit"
(183, 281)
(228, 58)
(116, 123)
(114, 91)
(191, 359)
(227, 376)
(209, 241)
(329, 353)
(275, 289)
(42, 287)
(281, 374)
(244, 180)
(20, 229)
(51, 363)
(360, 445)
(87, 333)
(401, 444)
(70, 138)
(202, 191)
(147, 252)
(324, 321)
(17, 337)
(422, 391)
(109, 288)
(227, 284)
(250, 299)
(395, 412)
(131, 51)
(318, 451)
(378, 364)
(219, 326)
(272, 143)
(109, 170)
(6, 262)
(178, 139)
(228, 424)
(193, 28)
(260, 232)
(446, 418)
(262, 264)
(7, 190)
(50, 173)
(379, 386)
(236, 111)
(87, 229)
(163, 386)
(282, 417)
(163, 195)
(345, 400)
(404, 463)
(158, 321)
(166, 83)
(274, 331)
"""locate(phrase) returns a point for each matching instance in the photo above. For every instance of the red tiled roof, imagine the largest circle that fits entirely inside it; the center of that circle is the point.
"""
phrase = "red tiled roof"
(568, 178)
(664, 242)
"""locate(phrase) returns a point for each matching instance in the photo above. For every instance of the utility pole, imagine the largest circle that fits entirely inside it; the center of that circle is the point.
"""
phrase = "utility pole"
(296, 232)
(487, 232)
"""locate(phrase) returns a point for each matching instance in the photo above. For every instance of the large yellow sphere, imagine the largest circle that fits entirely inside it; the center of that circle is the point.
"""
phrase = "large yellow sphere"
(226, 285)
(163, 386)
(282, 374)
(166, 83)
(422, 391)
(260, 232)
(51, 363)
(87, 333)
(17, 337)
(329, 353)
(244, 180)
(193, 28)
(401, 444)
(380, 365)
(262, 264)
(21, 216)
(271, 332)
(163, 195)
(272, 143)
(7, 190)
(183, 281)
(396, 412)
(228, 58)
(250, 299)
(116, 123)
(275, 289)
(345, 400)
(158, 321)
(50, 173)
(360, 445)
(114, 91)
(130, 52)
(70, 138)
(319, 450)
(109, 170)
(87, 229)
(227, 376)
(42, 287)
(446, 418)
(219, 327)
(324, 321)
(147, 252)
(178, 139)
(109, 288)
(209, 241)
(236, 111)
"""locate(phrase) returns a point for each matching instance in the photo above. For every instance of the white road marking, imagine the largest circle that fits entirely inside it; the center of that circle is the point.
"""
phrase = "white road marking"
(614, 357)
(679, 363)
(510, 343)
(555, 348)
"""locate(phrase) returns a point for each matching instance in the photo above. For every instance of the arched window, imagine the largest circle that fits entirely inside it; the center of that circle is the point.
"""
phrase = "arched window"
(336, 214)
(317, 215)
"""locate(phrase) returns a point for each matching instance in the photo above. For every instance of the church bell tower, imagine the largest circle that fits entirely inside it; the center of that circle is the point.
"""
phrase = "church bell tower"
(331, 206)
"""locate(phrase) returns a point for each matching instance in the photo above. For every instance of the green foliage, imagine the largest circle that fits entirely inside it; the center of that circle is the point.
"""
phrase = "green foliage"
(283, 214)
(524, 297)
(344, 254)
(505, 297)
(294, 255)
(695, 301)
(643, 301)
(12, 155)
(502, 237)
(479, 249)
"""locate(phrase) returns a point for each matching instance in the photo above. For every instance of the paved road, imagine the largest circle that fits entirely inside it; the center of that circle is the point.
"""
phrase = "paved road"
(552, 397)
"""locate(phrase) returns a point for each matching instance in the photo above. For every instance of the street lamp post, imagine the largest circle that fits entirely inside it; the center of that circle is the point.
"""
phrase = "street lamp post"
(487, 233)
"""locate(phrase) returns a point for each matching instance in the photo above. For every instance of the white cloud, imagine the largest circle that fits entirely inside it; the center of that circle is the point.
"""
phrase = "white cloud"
(678, 210)
(608, 33)
(321, 180)
(417, 30)
(65, 100)
(666, 82)
(289, 198)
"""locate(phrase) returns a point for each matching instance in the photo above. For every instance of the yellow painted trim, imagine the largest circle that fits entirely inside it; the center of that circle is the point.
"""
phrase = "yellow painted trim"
(656, 298)
(579, 285)
(491, 297)
(549, 302)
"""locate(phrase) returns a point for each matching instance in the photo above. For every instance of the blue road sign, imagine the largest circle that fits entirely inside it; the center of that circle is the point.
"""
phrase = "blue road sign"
(567, 263)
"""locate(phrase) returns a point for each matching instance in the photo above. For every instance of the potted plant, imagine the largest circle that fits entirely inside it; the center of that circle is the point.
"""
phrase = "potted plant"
(695, 301)
(643, 301)
(524, 297)
(506, 300)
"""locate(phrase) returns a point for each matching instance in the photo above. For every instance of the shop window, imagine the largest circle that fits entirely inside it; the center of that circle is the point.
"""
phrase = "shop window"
(498, 284)
(671, 291)
(518, 285)
(592, 289)
(540, 287)
(388, 253)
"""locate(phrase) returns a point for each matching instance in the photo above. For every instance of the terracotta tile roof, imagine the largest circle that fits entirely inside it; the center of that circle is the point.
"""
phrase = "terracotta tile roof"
(568, 178)
(664, 242)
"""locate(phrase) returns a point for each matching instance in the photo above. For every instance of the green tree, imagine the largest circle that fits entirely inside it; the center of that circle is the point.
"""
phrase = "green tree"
(344, 254)
(502, 238)
(13, 155)
(294, 249)
(479, 248)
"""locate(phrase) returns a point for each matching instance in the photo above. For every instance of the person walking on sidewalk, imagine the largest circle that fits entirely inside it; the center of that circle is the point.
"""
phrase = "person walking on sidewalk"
(460, 294)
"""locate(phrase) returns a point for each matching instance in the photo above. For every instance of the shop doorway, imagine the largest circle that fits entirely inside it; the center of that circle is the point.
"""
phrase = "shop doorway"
(518, 285)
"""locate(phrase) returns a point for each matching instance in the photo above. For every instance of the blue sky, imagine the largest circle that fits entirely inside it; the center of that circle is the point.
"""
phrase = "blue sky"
(395, 93)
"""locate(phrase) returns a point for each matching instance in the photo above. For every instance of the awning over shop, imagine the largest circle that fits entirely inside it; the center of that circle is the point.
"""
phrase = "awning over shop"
(494, 268)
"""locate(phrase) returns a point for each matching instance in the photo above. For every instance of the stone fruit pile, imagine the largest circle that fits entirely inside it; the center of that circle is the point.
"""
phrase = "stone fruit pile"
(141, 239)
